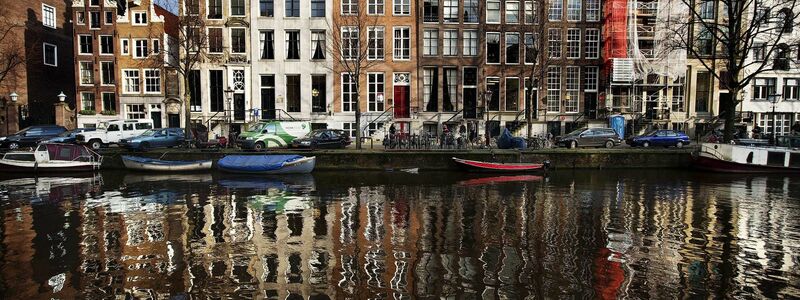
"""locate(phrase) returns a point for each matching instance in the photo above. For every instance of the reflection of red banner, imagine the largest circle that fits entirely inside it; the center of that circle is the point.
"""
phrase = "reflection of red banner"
(608, 275)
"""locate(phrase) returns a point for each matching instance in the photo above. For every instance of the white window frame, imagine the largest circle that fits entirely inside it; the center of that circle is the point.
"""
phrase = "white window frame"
(498, 18)
(49, 22)
(315, 34)
(373, 7)
(80, 45)
(477, 17)
(230, 39)
(81, 70)
(430, 42)
(376, 51)
(505, 47)
(450, 46)
(525, 48)
(102, 78)
(55, 54)
(347, 45)
(99, 22)
(100, 47)
(374, 93)
(573, 45)
(134, 22)
(144, 47)
(78, 20)
(791, 89)
(592, 10)
(520, 84)
(553, 85)
(124, 46)
(761, 88)
(556, 10)
(148, 81)
(155, 46)
(486, 48)
(591, 78)
(447, 10)
(352, 7)
(514, 12)
(128, 88)
(554, 43)
(352, 83)
(105, 17)
(132, 114)
(397, 43)
(574, 10)
(572, 85)
(471, 40)
(93, 102)
(403, 5)
(592, 43)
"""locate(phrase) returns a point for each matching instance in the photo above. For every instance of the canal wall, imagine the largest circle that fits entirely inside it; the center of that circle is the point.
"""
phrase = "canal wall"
(367, 160)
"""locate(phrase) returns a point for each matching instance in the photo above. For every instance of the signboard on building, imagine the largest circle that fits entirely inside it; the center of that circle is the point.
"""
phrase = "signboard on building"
(622, 70)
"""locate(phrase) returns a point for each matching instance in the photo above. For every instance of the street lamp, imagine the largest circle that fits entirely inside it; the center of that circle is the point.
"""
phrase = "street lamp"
(773, 98)
(62, 97)
(13, 96)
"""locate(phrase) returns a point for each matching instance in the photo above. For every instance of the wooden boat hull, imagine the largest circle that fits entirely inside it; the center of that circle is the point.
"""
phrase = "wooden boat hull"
(300, 166)
(51, 167)
(708, 163)
(166, 166)
(481, 166)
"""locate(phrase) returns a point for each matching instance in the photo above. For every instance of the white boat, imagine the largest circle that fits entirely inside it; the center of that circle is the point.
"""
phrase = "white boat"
(732, 158)
(152, 164)
(52, 157)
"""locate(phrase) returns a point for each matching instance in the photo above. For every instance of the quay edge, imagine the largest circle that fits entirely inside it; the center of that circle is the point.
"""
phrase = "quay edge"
(367, 160)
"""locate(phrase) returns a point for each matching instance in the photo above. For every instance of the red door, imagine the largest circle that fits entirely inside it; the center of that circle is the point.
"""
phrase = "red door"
(402, 102)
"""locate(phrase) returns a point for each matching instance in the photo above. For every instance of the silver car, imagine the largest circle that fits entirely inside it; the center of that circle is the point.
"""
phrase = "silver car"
(590, 137)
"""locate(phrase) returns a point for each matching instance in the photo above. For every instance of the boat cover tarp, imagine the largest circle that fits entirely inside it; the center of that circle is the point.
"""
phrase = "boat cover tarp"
(507, 141)
(153, 161)
(256, 163)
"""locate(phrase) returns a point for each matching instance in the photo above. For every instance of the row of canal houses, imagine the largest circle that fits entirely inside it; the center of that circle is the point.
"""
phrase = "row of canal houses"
(431, 63)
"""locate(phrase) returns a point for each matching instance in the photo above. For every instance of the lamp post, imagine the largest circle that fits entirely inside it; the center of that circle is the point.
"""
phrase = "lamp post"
(487, 98)
(229, 97)
(13, 96)
(773, 98)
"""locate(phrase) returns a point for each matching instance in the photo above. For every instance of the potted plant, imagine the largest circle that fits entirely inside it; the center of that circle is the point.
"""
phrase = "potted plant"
(109, 112)
(87, 112)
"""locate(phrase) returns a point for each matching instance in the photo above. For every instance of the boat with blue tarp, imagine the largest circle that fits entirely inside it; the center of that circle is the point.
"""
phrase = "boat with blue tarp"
(267, 164)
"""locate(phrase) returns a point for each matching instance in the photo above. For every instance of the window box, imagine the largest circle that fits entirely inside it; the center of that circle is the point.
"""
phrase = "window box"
(87, 112)
(109, 112)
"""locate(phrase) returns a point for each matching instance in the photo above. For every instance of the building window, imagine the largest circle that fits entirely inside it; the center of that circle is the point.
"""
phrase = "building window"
(554, 42)
(152, 81)
(126, 47)
(431, 11)
(492, 11)
(450, 89)
(267, 96)
(471, 11)
(348, 92)
(402, 43)
(592, 43)
(470, 43)
(156, 46)
(292, 44)
(375, 87)
(267, 40)
(140, 48)
(450, 42)
(762, 88)
(80, 18)
(402, 7)
(781, 122)
(530, 13)
(237, 7)
(139, 18)
(94, 20)
(512, 48)
(107, 73)
(217, 90)
(106, 44)
(318, 8)
(349, 42)
(48, 16)
(759, 52)
(86, 72)
(292, 8)
(109, 102)
(556, 10)
(430, 87)
(707, 10)
(87, 101)
(704, 42)
(553, 89)
(376, 38)
(430, 42)
(215, 9)
(136, 111)
(238, 40)
(470, 92)
(318, 93)
(293, 93)
(130, 80)
(195, 92)
(530, 48)
(350, 128)
(703, 92)
(266, 8)
(493, 48)
(375, 7)
(573, 43)
(318, 44)
(512, 12)
(791, 89)
(573, 10)
(573, 85)
(451, 11)
(85, 42)
(493, 85)
(512, 94)
(678, 94)
(50, 53)
(214, 40)
(590, 79)
(349, 7)
(593, 10)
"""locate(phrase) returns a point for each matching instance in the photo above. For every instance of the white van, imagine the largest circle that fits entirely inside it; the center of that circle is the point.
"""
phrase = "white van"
(113, 131)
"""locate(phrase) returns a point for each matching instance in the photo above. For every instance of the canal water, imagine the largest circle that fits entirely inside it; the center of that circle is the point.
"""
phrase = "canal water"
(394, 235)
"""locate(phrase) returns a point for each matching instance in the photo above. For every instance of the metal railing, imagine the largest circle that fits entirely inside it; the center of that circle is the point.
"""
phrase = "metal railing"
(389, 109)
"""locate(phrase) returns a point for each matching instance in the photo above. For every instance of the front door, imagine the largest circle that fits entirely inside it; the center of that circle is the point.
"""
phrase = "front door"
(590, 105)
(173, 120)
(402, 101)
(156, 116)
(470, 103)
(238, 107)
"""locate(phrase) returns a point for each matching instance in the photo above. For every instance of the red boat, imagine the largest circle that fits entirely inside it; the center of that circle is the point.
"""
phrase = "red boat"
(482, 166)
(500, 179)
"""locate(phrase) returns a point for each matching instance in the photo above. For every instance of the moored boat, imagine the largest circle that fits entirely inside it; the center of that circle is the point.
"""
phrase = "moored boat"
(483, 166)
(152, 164)
(267, 164)
(52, 157)
(730, 158)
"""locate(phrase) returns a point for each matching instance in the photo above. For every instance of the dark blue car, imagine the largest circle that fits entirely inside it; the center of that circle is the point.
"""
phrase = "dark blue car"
(661, 138)
(68, 137)
(155, 138)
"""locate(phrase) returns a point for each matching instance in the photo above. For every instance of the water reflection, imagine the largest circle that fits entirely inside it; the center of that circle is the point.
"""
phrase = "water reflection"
(400, 236)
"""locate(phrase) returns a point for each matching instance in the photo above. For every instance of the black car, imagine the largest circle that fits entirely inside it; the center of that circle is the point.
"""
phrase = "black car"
(30, 136)
(323, 138)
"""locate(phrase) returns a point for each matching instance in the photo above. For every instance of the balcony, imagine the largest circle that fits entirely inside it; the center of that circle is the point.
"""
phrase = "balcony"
(646, 8)
(646, 31)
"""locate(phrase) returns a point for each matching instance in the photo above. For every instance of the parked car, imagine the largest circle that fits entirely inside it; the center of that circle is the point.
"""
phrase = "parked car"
(665, 138)
(590, 137)
(155, 138)
(30, 136)
(68, 137)
(323, 138)
(272, 134)
(114, 131)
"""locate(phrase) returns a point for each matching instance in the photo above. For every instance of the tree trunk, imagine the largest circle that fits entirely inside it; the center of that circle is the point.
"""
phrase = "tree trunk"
(528, 111)
(729, 107)
(187, 107)
(358, 115)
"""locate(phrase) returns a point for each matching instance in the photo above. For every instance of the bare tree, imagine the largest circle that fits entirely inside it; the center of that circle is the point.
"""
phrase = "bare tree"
(350, 46)
(723, 35)
(537, 50)
(12, 50)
